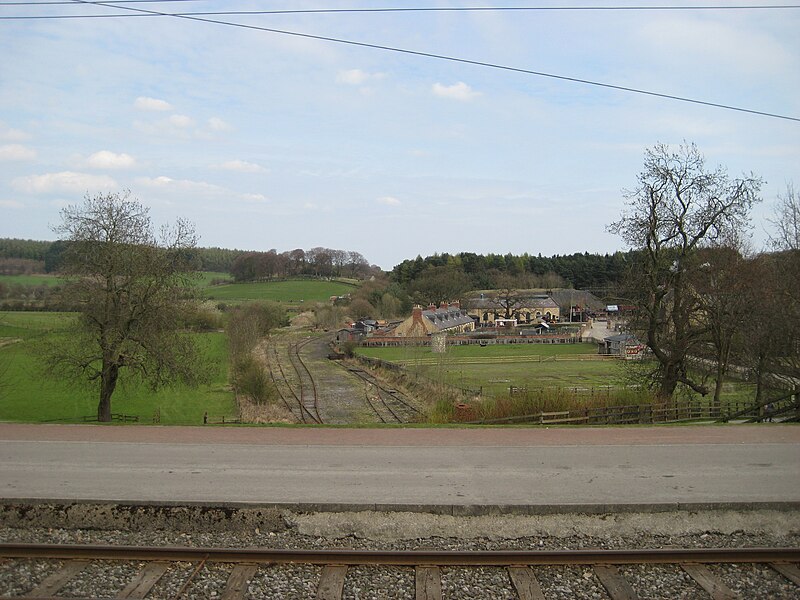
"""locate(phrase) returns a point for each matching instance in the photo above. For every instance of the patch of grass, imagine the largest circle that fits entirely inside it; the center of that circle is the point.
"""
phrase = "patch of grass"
(36, 280)
(28, 396)
(206, 277)
(291, 291)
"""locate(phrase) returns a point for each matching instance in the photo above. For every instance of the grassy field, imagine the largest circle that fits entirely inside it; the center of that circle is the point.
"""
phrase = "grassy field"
(496, 368)
(50, 280)
(291, 291)
(206, 277)
(28, 396)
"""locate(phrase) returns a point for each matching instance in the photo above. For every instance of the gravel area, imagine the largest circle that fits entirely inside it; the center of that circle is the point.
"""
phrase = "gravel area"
(662, 582)
(756, 581)
(209, 582)
(101, 579)
(479, 582)
(172, 581)
(567, 583)
(288, 582)
(379, 583)
(18, 577)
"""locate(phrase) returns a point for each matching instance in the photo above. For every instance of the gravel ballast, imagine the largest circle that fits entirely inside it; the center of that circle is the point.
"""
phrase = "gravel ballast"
(396, 531)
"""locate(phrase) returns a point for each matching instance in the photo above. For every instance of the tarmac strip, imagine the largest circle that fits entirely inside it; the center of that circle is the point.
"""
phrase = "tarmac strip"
(531, 436)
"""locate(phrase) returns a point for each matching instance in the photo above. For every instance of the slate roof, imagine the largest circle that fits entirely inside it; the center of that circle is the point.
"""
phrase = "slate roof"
(446, 318)
(535, 302)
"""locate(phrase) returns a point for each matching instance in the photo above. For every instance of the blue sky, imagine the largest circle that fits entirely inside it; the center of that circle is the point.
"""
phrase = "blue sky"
(273, 141)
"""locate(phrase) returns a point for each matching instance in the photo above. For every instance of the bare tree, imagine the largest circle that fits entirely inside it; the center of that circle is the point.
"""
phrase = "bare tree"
(507, 295)
(787, 221)
(132, 288)
(677, 208)
(721, 283)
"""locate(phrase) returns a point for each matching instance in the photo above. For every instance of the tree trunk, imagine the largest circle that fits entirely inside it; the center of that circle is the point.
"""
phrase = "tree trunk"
(760, 381)
(669, 381)
(108, 382)
(717, 401)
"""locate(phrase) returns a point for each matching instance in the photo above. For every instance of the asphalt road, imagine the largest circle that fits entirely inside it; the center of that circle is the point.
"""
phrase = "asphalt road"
(520, 467)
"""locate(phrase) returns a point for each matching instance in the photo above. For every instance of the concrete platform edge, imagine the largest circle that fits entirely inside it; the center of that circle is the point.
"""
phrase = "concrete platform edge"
(474, 510)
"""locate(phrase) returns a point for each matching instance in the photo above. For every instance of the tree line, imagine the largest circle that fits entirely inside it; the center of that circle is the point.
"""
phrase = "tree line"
(317, 262)
(25, 257)
(580, 270)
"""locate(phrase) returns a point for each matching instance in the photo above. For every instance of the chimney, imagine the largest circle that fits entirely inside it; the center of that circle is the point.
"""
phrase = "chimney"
(416, 314)
(444, 305)
(431, 306)
(456, 304)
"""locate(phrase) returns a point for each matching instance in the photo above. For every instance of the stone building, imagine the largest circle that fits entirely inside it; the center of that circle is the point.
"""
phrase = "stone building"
(490, 312)
(424, 322)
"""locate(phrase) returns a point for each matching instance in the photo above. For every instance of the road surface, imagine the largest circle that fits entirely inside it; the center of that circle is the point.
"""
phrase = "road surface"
(403, 467)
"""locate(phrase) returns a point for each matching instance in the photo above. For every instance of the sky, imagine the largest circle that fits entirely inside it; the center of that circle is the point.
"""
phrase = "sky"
(266, 140)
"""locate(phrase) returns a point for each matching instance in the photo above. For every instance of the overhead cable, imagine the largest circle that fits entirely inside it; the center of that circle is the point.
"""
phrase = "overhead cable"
(454, 60)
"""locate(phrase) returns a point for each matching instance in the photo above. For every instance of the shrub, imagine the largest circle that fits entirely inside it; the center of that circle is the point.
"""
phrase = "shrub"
(251, 380)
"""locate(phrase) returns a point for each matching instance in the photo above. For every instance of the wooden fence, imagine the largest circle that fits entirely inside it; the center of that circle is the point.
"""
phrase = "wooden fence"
(623, 415)
(121, 417)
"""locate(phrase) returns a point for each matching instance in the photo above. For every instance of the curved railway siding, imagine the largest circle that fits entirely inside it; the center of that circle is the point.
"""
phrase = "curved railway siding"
(309, 396)
(389, 405)
(235, 573)
(288, 388)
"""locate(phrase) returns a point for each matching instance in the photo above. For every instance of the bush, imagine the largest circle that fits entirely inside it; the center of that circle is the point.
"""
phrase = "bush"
(251, 380)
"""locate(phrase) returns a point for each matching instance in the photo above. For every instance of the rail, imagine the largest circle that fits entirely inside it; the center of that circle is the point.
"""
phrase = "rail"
(244, 564)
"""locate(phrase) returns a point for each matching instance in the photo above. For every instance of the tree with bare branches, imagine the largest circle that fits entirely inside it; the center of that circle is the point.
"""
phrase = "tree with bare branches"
(678, 207)
(132, 288)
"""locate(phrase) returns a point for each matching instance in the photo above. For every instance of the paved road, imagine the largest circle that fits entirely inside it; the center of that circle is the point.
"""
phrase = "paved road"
(520, 467)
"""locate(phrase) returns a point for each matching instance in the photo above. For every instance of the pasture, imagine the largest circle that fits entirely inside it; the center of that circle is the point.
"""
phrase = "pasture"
(29, 396)
(31, 280)
(292, 291)
(496, 368)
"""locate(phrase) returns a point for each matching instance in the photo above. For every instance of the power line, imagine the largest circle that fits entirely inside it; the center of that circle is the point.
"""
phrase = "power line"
(120, 5)
(456, 60)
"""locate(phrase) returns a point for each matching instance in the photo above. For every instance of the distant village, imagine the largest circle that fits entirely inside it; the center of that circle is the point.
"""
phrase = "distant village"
(559, 316)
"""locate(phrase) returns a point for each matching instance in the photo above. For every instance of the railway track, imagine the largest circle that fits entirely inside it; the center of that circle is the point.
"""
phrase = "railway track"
(389, 405)
(292, 390)
(309, 397)
(239, 570)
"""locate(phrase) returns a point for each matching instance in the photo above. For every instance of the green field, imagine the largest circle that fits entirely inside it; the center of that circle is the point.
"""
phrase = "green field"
(495, 368)
(292, 291)
(28, 396)
(206, 277)
(36, 280)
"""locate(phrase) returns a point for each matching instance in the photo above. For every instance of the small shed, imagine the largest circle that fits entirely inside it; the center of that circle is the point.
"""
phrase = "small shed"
(624, 345)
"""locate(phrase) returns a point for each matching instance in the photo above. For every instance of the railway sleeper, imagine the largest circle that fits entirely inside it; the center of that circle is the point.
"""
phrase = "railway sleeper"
(331, 580)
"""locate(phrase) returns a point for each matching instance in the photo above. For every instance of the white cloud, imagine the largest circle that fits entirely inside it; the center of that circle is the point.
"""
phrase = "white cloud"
(145, 103)
(242, 166)
(181, 121)
(217, 124)
(253, 197)
(181, 185)
(109, 160)
(9, 134)
(389, 201)
(458, 91)
(357, 77)
(11, 204)
(65, 181)
(16, 152)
